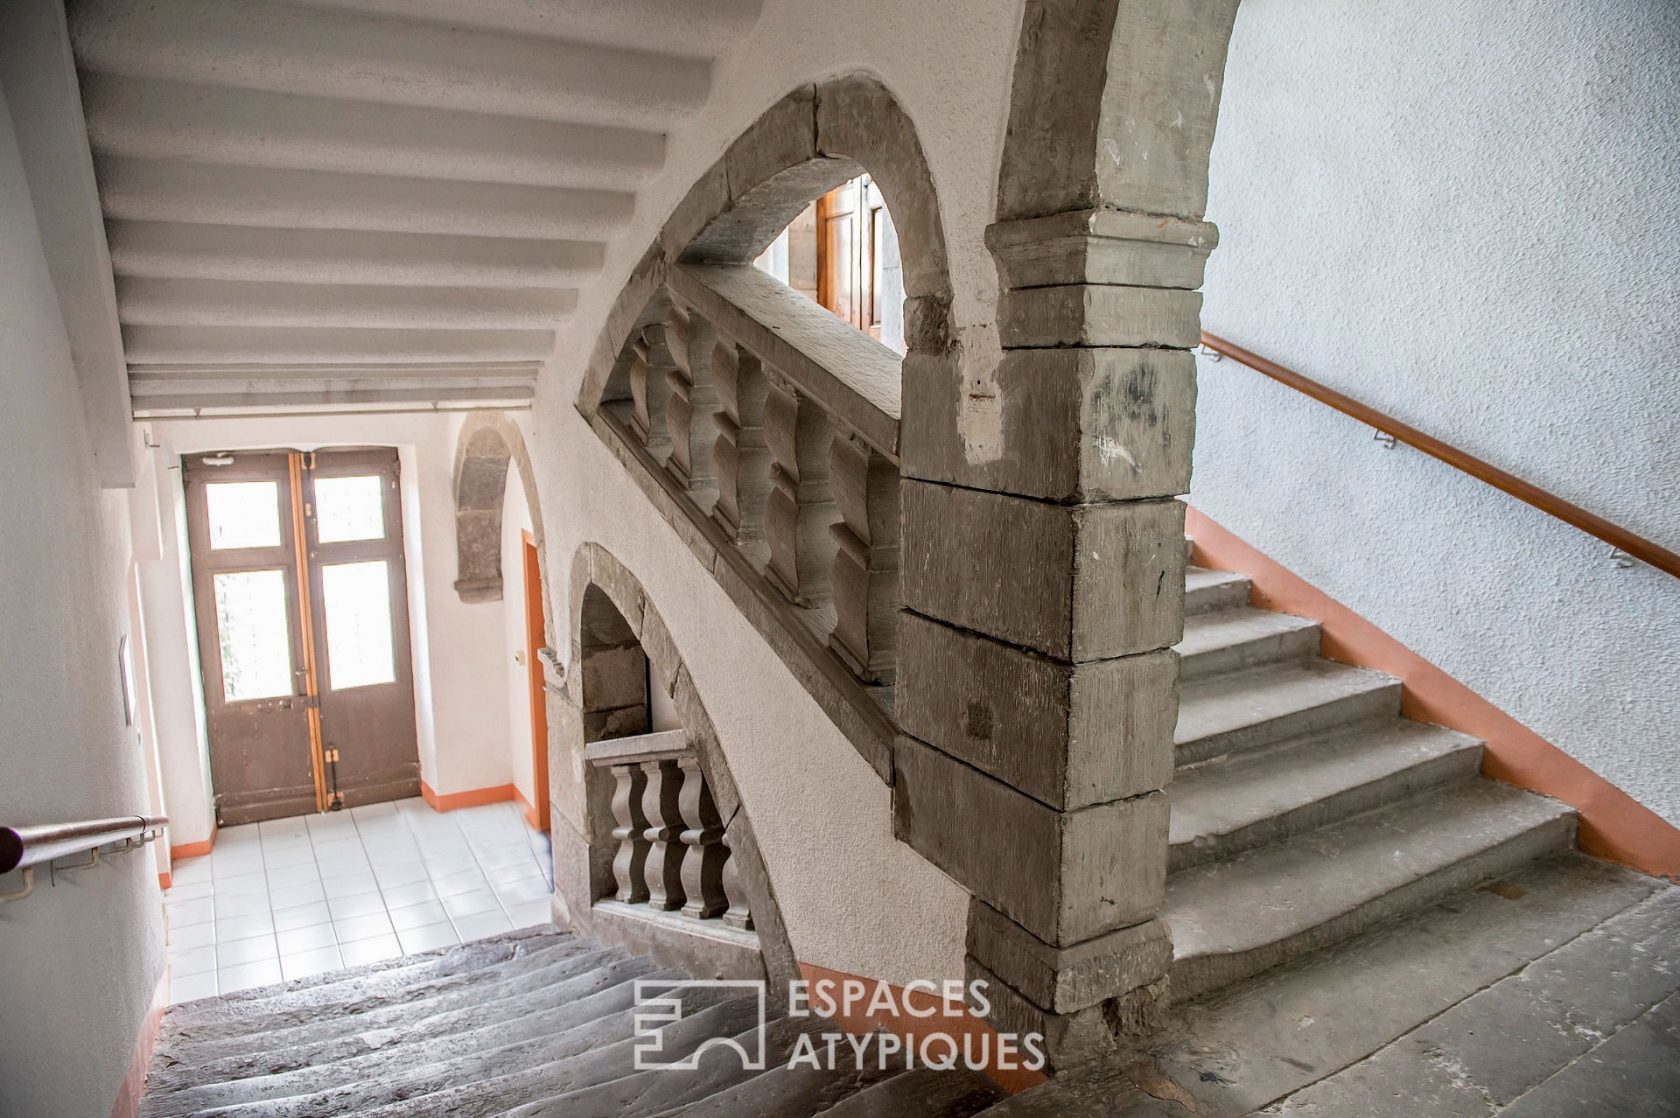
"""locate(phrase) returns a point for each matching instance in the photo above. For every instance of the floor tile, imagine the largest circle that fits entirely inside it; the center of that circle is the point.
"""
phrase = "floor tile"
(292, 941)
(362, 904)
(497, 857)
(481, 924)
(398, 896)
(291, 896)
(521, 891)
(301, 855)
(399, 873)
(361, 951)
(233, 836)
(348, 886)
(191, 935)
(291, 825)
(201, 910)
(463, 881)
(248, 975)
(416, 916)
(427, 937)
(189, 988)
(531, 914)
(465, 904)
(243, 885)
(244, 927)
(245, 904)
(236, 952)
(180, 892)
(189, 871)
(293, 875)
(305, 963)
(303, 916)
(192, 960)
(362, 927)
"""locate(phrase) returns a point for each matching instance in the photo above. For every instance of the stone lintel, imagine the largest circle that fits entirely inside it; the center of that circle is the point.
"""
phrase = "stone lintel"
(1068, 735)
(1068, 979)
(1078, 425)
(1075, 582)
(1102, 246)
(1064, 876)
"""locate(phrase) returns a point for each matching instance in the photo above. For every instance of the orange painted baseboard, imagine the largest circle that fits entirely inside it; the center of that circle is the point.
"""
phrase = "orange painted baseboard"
(473, 797)
(192, 849)
(1614, 825)
(910, 1028)
(165, 879)
(529, 810)
(133, 1086)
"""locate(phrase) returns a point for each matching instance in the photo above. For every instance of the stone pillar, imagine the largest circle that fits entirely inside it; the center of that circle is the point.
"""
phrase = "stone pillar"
(1043, 550)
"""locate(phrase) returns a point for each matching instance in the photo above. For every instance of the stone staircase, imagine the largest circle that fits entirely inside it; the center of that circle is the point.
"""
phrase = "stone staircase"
(1305, 809)
(533, 1023)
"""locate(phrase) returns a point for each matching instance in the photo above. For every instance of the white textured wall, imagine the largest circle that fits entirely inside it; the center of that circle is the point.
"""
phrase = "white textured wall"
(854, 899)
(79, 960)
(1468, 216)
(516, 519)
(459, 676)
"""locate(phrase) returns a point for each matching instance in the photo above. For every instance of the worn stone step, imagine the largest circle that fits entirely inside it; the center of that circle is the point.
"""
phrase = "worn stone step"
(1232, 640)
(1207, 590)
(785, 1092)
(596, 985)
(1263, 706)
(515, 1080)
(203, 1041)
(921, 1093)
(1222, 808)
(1235, 918)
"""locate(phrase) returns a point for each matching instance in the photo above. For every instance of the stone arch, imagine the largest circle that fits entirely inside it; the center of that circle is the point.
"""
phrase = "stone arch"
(619, 648)
(807, 143)
(490, 444)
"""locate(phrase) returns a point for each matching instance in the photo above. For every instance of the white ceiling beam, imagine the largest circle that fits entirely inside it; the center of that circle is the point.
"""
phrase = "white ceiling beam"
(302, 345)
(168, 190)
(154, 119)
(243, 252)
(38, 76)
(169, 302)
(263, 45)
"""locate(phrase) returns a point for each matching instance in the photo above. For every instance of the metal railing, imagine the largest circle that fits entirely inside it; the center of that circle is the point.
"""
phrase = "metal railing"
(1391, 430)
(44, 843)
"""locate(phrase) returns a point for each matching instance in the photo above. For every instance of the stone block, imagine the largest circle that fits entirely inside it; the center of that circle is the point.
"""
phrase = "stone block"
(1069, 1039)
(785, 136)
(1077, 424)
(1102, 247)
(1067, 734)
(1064, 876)
(614, 677)
(1067, 979)
(705, 200)
(1099, 315)
(1076, 582)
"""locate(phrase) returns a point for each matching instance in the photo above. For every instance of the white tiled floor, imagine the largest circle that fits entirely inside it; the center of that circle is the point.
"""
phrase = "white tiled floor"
(286, 898)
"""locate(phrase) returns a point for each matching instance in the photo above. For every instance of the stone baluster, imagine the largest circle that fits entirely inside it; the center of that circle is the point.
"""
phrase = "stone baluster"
(649, 391)
(865, 486)
(799, 507)
(663, 834)
(629, 831)
(703, 849)
(740, 459)
(686, 359)
(736, 915)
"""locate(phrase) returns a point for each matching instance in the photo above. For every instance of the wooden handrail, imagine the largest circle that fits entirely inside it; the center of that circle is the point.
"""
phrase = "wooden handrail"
(1615, 535)
(22, 847)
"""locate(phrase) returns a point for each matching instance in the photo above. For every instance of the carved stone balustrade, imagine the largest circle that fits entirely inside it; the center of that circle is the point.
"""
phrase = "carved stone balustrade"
(672, 853)
(772, 427)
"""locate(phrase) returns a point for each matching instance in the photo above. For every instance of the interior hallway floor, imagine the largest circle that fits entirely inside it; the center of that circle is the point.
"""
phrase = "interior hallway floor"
(286, 898)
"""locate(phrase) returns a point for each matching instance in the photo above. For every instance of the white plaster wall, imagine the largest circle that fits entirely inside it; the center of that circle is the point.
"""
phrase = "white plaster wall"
(854, 899)
(1467, 216)
(464, 728)
(79, 960)
(516, 519)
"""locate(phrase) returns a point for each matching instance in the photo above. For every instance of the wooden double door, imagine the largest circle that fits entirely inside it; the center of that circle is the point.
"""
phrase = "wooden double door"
(302, 600)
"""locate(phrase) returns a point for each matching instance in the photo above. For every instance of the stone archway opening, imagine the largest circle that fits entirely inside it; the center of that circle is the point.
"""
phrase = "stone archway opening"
(490, 447)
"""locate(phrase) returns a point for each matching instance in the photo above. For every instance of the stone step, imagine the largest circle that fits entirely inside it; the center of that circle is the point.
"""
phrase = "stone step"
(784, 1092)
(1207, 590)
(921, 1093)
(316, 1060)
(1223, 808)
(1236, 639)
(1235, 918)
(1228, 714)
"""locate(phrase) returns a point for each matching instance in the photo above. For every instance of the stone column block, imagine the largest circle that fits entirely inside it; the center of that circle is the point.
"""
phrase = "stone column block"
(1069, 735)
(1100, 315)
(1067, 979)
(1064, 876)
(1076, 582)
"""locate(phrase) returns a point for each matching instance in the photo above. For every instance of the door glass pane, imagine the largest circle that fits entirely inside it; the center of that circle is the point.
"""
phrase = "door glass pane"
(255, 638)
(243, 514)
(356, 598)
(349, 508)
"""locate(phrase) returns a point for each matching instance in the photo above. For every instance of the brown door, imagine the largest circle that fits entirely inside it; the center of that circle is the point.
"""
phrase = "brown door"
(850, 231)
(240, 532)
(277, 648)
(359, 600)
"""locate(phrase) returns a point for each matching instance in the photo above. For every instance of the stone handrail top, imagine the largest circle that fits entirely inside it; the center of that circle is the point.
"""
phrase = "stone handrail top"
(852, 377)
(664, 745)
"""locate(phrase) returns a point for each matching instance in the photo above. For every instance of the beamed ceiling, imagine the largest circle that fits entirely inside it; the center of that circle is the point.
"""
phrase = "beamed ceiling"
(359, 203)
